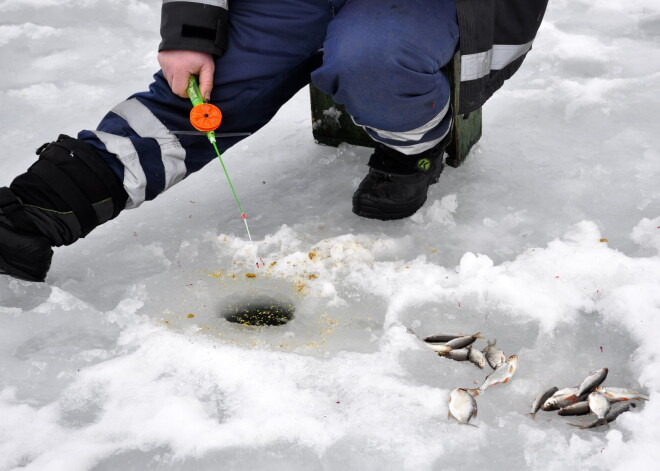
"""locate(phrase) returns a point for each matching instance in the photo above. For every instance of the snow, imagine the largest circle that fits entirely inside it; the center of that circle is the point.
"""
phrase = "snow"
(547, 239)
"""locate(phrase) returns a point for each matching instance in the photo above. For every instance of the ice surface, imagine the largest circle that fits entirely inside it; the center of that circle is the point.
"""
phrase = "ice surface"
(547, 239)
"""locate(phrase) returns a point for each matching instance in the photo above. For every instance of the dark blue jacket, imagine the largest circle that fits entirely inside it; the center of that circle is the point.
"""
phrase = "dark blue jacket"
(495, 36)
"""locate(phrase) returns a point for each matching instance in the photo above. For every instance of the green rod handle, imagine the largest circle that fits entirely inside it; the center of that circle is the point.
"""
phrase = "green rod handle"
(193, 91)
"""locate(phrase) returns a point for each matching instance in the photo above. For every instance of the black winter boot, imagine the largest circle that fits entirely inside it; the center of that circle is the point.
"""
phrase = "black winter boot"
(24, 252)
(68, 192)
(397, 184)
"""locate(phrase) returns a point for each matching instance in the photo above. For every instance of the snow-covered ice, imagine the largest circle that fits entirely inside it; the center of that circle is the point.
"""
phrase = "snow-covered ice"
(547, 239)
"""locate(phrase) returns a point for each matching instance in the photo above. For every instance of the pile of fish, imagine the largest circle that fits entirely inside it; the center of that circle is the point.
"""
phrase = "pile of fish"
(605, 403)
(459, 347)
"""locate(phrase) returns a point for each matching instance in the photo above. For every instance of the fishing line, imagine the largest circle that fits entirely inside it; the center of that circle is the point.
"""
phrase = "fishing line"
(206, 117)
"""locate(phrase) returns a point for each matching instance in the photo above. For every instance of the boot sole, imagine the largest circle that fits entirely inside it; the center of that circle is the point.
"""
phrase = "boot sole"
(370, 209)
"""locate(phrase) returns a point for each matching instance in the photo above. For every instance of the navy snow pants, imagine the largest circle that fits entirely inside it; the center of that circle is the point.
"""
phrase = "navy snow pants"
(379, 58)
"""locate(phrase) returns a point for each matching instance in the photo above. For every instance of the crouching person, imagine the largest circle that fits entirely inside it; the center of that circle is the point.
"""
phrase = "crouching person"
(382, 60)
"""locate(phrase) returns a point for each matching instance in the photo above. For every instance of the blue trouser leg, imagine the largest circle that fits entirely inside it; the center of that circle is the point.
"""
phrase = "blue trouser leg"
(382, 60)
(270, 58)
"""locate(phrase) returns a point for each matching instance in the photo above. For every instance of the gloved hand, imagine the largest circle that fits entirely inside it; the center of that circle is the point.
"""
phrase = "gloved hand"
(179, 65)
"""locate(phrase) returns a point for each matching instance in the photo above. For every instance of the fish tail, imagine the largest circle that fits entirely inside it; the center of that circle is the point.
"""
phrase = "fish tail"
(473, 391)
(532, 415)
(477, 335)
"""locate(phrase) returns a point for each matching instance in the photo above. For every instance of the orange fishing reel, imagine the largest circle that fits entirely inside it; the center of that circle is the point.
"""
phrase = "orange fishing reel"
(205, 117)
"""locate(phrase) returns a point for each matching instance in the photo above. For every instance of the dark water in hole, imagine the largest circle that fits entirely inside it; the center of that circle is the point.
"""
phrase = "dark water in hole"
(259, 310)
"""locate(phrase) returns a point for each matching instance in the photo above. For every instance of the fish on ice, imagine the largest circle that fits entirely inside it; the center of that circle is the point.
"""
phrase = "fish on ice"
(494, 356)
(476, 357)
(615, 411)
(614, 394)
(441, 338)
(540, 400)
(462, 342)
(560, 399)
(579, 408)
(502, 374)
(440, 348)
(444, 337)
(599, 405)
(461, 354)
(462, 406)
(592, 381)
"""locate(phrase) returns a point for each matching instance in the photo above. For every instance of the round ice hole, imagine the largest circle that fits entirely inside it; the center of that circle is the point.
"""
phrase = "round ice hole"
(259, 310)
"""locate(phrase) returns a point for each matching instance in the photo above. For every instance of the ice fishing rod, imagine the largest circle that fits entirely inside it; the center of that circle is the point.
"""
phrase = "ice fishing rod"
(206, 117)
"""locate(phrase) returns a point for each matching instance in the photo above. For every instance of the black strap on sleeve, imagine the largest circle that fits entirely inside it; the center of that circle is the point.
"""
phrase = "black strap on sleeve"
(193, 26)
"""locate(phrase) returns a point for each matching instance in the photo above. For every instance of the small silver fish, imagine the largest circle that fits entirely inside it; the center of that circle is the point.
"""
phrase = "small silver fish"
(592, 381)
(621, 394)
(562, 398)
(460, 354)
(440, 348)
(502, 374)
(462, 406)
(495, 357)
(616, 410)
(462, 342)
(540, 400)
(599, 405)
(476, 357)
(441, 338)
(579, 408)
